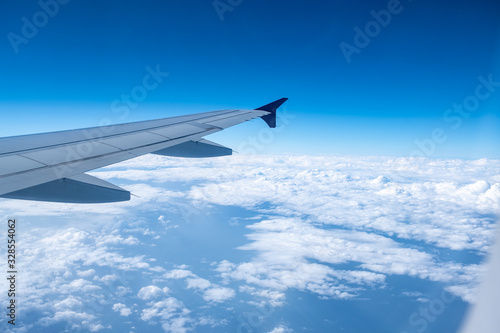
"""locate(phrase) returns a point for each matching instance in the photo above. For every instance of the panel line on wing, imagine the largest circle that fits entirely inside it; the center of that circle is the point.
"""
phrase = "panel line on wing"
(130, 150)
(205, 116)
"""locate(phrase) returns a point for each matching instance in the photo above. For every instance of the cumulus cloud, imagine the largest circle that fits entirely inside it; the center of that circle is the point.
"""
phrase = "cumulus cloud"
(124, 310)
(171, 313)
(218, 294)
(198, 283)
(287, 246)
(212, 292)
(151, 292)
(178, 274)
(61, 276)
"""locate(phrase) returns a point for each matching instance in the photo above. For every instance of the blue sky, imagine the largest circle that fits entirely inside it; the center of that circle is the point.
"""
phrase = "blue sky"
(394, 91)
(339, 236)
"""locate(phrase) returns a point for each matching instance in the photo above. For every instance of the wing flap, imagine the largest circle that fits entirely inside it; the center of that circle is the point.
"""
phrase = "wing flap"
(77, 189)
(196, 149)
(129, 141)
(57, 155)
(180, 130)
(231, 120)
(16, 163)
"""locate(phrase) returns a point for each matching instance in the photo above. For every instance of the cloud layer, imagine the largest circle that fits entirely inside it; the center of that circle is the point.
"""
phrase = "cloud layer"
(334, 227)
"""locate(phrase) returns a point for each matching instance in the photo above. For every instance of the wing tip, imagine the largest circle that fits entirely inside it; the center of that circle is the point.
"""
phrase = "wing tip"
(270, 119)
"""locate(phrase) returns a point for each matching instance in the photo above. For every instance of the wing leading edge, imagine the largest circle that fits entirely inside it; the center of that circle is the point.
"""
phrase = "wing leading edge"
(51, 166)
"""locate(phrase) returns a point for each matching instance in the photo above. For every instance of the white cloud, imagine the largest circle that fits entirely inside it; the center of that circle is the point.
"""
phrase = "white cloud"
(172, 314)
(281, 329)
(272, 297)
(87, 273)
(370, 193)
(123, 309)
(219, 294)
(108, 279)
(375, 216)
(178, 274)
(61, 275)
(116, 239)
(380, 202)
(286, 246)
(198, 283)
(211, 291)
(78, 285)
(69, 303)
(77, 319)
(151, 292)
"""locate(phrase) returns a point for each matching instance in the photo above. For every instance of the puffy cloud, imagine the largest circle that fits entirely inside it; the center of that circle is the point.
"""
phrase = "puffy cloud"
(178, 274)
(116, 239)
(211, 291)
(171, 313)
(61, 275)
(123, 309)
(77, 320)
(78, 285)
(69, 303)
(219, 294)
(198, 283)
(440, 210)
(86, 273)
(151, 292)
(286, 247)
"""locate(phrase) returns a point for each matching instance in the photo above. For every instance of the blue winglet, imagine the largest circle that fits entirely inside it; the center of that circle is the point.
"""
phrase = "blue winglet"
(270, 119)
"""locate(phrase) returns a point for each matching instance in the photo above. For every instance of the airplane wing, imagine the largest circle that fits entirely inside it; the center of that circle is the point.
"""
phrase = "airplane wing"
(51, 166)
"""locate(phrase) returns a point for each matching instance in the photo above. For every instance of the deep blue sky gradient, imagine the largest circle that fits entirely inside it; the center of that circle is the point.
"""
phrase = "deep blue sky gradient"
(395, 91)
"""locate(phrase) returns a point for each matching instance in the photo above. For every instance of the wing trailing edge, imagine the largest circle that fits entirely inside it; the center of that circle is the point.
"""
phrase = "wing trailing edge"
(196, 149)
(82, 188)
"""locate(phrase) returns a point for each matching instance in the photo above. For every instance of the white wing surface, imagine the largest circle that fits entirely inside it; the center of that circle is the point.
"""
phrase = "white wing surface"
(52, 166)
